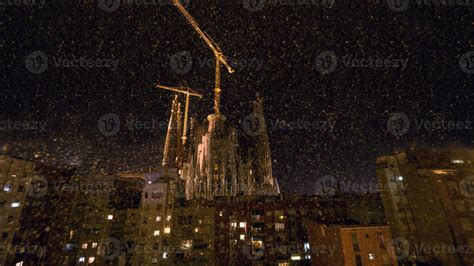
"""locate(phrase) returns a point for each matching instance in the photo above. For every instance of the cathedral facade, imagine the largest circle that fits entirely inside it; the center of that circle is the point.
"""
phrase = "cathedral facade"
(213, 164)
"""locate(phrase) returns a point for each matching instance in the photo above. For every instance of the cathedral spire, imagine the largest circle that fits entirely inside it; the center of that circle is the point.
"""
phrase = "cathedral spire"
(264, 174)
(172, 141)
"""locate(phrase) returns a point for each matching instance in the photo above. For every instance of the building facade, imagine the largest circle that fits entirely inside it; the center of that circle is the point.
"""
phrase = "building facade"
(354, 245)
(428, 201)
(213, 165)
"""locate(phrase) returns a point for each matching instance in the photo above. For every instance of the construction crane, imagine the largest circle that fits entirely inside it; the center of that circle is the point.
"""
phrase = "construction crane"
(188, 92)
(219, 55)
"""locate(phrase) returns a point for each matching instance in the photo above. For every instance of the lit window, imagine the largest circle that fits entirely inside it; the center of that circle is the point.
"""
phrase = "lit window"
(168, 218)
(283, 264)
(242, 237)
(279, 226)
(19, 263)
(186, 244)
(242, 224)
(7, 187)
(82, 259)
(167, 230)
(307, 257)
(400, 178)
(94, 245)
(110, 217)
(91, 260)
(16, 204)
(196, 230)
(158, 218)
(84, 246)
(156, 233)
(371, 256)
(457, 161)
(165, 255)
(306, 247)
(233, 224)
(295, 257)
(221, 213)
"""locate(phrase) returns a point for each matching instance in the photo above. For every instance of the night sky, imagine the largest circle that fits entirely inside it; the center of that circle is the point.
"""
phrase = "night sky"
(276, 48)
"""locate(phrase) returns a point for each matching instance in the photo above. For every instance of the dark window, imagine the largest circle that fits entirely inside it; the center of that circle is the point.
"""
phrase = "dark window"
(355, 243)
(4, 235)
(20, 188)
(358, 260)
(381, 241)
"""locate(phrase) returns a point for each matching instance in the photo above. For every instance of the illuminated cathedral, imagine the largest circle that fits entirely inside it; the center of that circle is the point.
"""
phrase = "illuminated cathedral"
(212, 164)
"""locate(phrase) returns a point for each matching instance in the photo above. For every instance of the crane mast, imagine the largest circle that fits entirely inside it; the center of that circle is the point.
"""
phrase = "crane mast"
(188, 92)
(219, 55)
